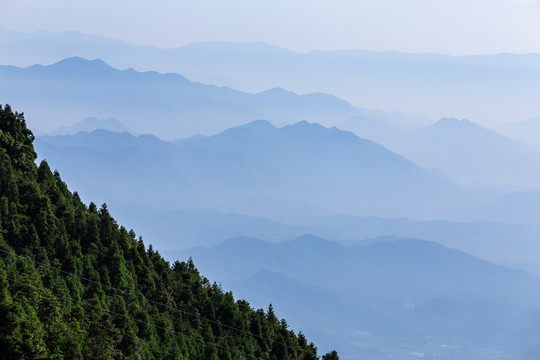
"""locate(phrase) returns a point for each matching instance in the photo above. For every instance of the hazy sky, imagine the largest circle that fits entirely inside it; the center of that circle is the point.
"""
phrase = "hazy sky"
(446, 26)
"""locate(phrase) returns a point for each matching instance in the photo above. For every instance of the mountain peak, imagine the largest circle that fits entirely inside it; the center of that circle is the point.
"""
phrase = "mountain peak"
(310, 239)
(76, 63)
(445, 125)
(303, 124)
(90, 124)
(455, 122)
(276, 91)
(304, 127)
(313, 243)
(259, 126)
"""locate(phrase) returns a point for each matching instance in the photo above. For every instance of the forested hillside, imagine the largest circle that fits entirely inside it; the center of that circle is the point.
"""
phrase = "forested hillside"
(75, 284)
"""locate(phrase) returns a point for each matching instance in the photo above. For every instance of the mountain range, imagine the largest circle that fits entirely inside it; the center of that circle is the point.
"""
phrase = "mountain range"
(433, 85)
(180, 108)
(90, 124)
(463, 150)
(277, 183)
(256, 169)
(389, 297)
(167, 105)
(426, 218)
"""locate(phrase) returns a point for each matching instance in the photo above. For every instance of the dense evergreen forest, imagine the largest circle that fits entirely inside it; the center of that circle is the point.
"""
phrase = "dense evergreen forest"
(74, 284)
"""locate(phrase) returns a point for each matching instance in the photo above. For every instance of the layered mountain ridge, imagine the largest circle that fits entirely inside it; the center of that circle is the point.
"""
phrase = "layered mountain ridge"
(167, 105)
(433, 85)
(303, 163)
(375, 294)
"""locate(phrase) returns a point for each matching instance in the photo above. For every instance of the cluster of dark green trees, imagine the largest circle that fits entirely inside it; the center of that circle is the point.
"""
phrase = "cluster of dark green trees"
(76, 285)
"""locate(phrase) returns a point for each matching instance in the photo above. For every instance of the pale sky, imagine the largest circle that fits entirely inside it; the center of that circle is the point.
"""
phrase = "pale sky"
(456, 27)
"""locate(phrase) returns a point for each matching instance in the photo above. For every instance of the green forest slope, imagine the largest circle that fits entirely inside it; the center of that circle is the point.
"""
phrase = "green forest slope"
(74, 284)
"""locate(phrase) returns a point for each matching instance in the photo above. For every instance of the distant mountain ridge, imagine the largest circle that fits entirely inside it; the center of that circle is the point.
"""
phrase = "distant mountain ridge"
(256, 172)
(90, 124)
(432, 85)
(470, 153)
(253, 168)
(167, 105)
(461, 149)
(400, 289)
